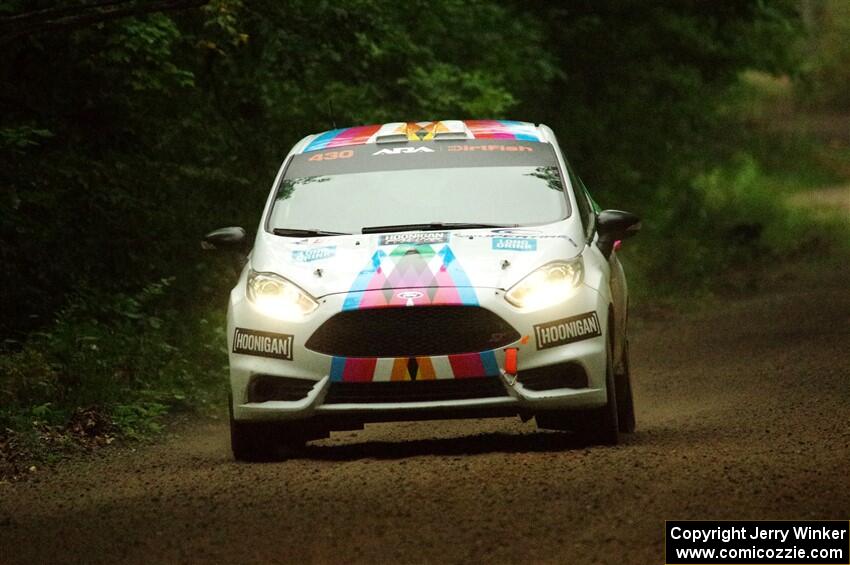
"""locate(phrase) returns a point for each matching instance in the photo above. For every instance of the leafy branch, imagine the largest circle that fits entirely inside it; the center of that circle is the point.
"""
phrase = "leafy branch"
(34, 22)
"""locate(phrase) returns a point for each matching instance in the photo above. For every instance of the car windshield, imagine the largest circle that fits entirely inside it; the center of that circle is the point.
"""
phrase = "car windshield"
(505, 183)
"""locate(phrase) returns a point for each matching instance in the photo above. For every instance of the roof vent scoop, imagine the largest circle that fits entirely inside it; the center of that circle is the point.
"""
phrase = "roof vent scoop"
(390, 138)
(452, 130)
(451, 135)
(399, 132)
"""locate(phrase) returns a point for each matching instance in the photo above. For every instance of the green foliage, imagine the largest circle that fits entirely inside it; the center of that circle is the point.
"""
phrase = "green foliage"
(16, 140)
(132, 356)
(826, 71)
(641, 86)
(139, 419)
(734, 217)
(144, 49)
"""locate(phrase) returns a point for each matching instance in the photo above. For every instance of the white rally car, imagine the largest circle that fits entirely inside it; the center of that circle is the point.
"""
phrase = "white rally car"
(427, 270)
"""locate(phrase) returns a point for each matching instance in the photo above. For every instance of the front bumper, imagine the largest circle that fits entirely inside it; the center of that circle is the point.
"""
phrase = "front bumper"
(324, 370)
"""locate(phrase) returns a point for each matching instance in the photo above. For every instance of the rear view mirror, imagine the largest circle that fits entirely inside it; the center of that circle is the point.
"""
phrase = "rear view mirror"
(234, 238)
(613, 226)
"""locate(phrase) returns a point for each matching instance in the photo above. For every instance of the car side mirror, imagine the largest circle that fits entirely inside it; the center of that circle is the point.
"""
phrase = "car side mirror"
(234, 238)
(613, 226)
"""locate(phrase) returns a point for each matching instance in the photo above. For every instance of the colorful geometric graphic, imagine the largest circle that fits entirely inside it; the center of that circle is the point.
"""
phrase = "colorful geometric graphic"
(340, 137)
(425, 131)
(433, 269)
(422, 131)
(412, 275)
(413, 369)
(502, 129)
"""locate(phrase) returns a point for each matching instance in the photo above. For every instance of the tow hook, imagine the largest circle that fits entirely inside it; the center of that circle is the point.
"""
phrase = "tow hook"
(510, 365)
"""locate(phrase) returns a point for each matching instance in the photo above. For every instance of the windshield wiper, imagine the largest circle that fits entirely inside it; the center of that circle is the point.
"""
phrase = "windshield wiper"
(301, 232)
(433, 226)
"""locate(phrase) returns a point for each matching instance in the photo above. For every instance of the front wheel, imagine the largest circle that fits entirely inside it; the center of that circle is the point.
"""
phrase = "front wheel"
(625, 402)
(261, 441)
(594, 425)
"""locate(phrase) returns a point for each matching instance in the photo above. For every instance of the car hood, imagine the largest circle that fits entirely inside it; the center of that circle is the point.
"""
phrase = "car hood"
(489, 258)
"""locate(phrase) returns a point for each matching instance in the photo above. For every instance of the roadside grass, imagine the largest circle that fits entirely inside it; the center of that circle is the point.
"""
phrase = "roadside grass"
(109, 368)
(786, 201)
(777, 200)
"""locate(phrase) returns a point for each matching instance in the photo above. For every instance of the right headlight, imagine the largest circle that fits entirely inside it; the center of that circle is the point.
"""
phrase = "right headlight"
(279, 298)
(551, 284)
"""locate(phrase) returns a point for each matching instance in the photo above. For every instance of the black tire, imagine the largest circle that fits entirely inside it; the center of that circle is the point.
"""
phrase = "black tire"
(593, 425)
(263, 441)
(250, 441)
(625, 402)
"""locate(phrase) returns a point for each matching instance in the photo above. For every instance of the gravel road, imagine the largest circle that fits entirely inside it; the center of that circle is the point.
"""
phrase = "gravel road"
(743, 412)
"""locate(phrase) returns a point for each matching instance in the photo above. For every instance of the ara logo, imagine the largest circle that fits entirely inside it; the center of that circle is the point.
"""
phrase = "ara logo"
(400, 150)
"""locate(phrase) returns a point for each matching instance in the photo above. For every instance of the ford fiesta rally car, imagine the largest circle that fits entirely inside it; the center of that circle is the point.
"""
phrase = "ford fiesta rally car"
(422, 271)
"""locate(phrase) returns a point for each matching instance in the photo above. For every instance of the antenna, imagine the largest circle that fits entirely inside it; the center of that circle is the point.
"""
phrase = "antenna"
(331, 113)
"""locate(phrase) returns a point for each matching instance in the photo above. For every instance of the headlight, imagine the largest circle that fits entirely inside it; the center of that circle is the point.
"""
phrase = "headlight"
(549, 285)
(279, 298)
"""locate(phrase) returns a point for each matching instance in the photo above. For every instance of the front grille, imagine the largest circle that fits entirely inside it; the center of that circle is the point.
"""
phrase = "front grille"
(414, 391)
(412, 331)
(565, 375)
(263, 388)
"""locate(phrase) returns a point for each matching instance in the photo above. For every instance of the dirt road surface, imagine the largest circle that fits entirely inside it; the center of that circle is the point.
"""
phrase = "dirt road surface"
(744, 413)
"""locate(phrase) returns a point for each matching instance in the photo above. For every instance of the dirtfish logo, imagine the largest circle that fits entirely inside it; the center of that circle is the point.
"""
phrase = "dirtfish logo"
(400, 150)
(514, 244)
(313, 254)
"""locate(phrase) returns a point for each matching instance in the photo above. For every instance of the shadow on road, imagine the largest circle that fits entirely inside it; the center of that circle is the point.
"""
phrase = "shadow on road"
(495, 442)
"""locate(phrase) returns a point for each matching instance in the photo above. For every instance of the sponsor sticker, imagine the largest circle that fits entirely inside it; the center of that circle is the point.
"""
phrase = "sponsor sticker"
(514, 244)
(567, 330)
(455, 148)
(262, 344)
(403, 150)
(410, 294)
(314, 254)
(414, 237)
(517, 232)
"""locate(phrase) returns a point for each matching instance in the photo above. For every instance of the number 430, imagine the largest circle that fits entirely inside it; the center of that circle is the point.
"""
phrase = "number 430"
(331, 155)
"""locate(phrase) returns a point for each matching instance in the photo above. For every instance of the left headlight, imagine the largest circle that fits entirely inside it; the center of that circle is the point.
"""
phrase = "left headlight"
(551, 284)
(279, 298)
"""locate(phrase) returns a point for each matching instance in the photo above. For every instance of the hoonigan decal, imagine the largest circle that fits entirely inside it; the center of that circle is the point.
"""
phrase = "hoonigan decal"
(567, 330)
(262, 344)
(426, 131)
(387, 281)
(415, 237)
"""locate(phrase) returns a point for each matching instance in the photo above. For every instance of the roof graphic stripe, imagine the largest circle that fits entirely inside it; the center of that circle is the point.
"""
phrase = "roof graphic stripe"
(323, 139)
(426, 131)
(502, 129)
(353, 136)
